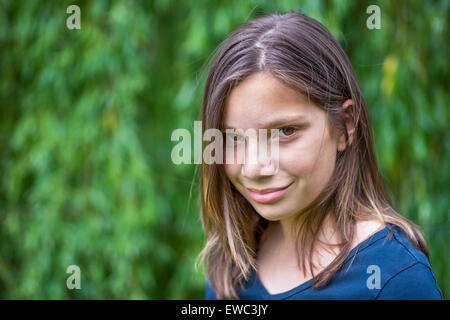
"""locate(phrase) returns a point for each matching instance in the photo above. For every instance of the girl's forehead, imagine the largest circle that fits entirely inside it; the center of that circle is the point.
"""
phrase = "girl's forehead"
(263, 101)
(263, 88)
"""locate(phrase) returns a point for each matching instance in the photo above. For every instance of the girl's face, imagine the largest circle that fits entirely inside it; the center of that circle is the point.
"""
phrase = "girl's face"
(307, 148)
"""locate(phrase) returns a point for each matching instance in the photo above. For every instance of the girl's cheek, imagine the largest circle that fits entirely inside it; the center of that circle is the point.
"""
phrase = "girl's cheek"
(298, 160)
(297, 167)
(231, 170)
(234, 156)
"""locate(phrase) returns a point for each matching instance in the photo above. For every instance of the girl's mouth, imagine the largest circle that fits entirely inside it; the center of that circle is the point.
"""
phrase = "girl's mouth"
(267, 195)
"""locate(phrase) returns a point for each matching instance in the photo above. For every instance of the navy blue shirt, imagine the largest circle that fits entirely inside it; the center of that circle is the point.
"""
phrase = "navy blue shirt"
(381, 269)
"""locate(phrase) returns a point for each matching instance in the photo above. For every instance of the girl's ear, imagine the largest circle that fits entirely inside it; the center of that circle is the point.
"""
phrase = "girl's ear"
(347, 113)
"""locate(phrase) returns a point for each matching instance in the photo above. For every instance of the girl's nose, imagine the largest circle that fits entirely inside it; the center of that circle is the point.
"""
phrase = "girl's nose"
(257, 164)
(254, 171)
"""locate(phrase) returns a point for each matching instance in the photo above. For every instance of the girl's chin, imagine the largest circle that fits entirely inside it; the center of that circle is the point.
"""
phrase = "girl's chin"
(271, 214)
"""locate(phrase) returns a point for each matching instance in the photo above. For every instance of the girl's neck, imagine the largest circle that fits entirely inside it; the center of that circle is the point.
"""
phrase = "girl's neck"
(281, 234)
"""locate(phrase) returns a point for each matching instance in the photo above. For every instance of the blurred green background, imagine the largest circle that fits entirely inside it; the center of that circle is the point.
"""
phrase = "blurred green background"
(87, 115)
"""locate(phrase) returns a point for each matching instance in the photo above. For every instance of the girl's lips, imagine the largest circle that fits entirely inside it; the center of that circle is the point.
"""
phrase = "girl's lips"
(267, 196)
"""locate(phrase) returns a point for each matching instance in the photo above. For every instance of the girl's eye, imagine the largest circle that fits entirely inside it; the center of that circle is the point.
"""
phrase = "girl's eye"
(287, 131)
(233, 138)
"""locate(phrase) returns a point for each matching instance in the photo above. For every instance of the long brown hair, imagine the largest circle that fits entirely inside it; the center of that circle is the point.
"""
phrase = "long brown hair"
(304, 55)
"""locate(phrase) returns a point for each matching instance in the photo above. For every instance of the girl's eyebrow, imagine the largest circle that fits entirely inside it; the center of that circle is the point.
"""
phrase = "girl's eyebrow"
(276, 122)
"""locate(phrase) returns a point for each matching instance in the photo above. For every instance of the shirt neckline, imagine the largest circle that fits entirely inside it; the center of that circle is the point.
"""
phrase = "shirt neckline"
(307, 284)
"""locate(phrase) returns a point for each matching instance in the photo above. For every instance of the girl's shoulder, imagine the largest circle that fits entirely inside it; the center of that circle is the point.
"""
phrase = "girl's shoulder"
(391, 246)
(395, 268)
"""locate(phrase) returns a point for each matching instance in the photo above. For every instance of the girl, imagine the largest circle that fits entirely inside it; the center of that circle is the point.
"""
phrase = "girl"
(322, 225)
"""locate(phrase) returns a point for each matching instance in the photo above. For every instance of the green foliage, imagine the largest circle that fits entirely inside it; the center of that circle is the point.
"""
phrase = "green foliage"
(87, 116)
